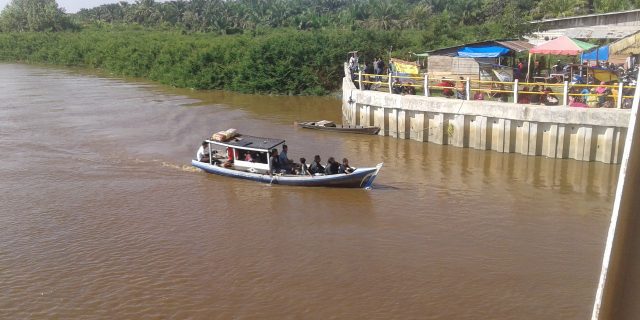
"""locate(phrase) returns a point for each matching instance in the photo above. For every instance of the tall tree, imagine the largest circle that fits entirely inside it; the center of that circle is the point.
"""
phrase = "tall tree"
(33, 15)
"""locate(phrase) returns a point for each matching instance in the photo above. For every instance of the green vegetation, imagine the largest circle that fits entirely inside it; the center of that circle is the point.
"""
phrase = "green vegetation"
(234, 16)
(284, 61)
(34, 15)
(260, 46)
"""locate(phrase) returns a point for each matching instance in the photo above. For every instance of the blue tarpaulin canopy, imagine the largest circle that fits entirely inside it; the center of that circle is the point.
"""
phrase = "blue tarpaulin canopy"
(482, 52)
(602, 53)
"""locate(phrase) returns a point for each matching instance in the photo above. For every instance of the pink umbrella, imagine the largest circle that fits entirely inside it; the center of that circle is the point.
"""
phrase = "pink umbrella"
(562, 45)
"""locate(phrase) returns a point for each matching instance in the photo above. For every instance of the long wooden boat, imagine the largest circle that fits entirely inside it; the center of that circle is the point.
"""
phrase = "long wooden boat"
(227, 158)
(331, 126)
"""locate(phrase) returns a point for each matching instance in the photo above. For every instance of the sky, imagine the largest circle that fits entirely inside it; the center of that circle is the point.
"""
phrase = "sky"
(73, 6)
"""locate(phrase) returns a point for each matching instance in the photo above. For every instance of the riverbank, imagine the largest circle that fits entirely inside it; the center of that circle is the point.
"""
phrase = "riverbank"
(278, 61)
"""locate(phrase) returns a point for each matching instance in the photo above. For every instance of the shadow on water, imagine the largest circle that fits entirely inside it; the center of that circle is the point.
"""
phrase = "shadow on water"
(378, 186)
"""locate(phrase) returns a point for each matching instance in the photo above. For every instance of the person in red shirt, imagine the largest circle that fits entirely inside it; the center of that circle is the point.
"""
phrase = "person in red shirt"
(446, 84)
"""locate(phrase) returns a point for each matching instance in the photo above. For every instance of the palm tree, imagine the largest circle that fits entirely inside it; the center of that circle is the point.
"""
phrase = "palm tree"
(561, 8)
(610, 5)
(385, 14)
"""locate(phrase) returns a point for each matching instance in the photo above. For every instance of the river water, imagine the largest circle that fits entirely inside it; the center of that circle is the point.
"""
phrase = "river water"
(103, 217)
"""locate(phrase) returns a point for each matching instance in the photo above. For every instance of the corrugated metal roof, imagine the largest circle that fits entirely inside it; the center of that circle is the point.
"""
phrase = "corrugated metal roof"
(584, 16)
(252, 142)
(515, 45)
(629, 44)
(595, 32)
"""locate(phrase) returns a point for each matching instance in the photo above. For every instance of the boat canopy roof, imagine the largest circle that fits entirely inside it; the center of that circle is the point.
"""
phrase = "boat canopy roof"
(250, 143)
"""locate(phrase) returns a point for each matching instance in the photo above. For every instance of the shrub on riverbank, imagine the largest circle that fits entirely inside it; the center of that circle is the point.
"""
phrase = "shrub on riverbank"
(282, 61)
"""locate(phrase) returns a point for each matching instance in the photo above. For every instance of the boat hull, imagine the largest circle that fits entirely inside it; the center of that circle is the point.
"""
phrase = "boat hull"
(340, 128)
(360, 178)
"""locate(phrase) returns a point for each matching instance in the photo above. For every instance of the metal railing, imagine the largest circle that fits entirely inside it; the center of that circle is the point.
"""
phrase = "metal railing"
(563, 94)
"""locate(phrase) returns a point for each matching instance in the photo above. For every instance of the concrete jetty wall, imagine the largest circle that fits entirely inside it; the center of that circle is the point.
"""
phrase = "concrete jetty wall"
(550, 131)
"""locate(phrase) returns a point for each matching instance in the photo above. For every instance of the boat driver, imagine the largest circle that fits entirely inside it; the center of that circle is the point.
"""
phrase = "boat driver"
(203, 152)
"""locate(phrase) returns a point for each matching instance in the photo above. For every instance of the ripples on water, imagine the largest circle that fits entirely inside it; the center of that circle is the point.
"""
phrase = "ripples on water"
(104, 218)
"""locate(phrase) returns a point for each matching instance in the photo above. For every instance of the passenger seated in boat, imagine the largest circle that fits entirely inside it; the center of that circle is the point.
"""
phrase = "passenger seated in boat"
(316, 167)
(304, 169)
(203, 152)
(229, 162)
(332, 166)
(284, 159)
(248, 157)
(344, 166)
(229, 154)
(274, 162)
(259, 157)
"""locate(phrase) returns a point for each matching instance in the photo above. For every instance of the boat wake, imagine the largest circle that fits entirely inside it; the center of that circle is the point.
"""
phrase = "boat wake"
(184, 167)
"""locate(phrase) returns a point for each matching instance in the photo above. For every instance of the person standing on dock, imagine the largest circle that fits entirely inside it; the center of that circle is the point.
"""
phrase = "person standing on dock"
(353, 63)
(380, 66)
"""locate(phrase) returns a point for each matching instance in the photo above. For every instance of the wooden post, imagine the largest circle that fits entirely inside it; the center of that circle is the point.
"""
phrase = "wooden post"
(565, 93)
(467, 88)
(620, 90)
(426, 84)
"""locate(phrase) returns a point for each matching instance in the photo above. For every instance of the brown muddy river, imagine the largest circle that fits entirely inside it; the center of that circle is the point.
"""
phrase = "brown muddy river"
(102, 216)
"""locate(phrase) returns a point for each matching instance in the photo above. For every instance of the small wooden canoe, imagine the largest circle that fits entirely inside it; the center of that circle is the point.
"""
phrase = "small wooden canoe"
(331, 126)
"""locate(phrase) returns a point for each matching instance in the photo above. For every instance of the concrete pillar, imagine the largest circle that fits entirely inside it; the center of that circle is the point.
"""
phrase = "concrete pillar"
(403, 124)
(562, 142)
(379, 120)
(565, 93)
(455, 130)
(619, 142)
(360, 80)
(605, 145)
(392, 122)
(389, 82)
(576, 143)
(498, 135)
(485, 133)
(550, 141)
(589, 146)
(535, 140)
(365, 115)
(515, 91)
(475, 132)
(354, 114)
(522, 138)
(580, 144)
(509, 136)
(497, 129)
(436, 128)
(417, 126)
